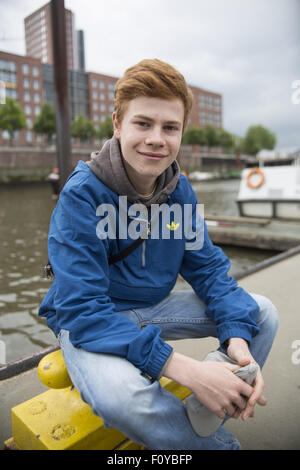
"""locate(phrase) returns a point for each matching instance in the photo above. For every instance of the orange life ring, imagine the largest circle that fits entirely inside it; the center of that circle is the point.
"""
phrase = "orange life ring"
(252, 172)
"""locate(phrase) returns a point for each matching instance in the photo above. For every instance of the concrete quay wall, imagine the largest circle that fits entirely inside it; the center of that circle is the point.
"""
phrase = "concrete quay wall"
(35, 163)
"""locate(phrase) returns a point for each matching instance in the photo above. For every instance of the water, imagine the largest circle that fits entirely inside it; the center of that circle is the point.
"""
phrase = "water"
(25, 212)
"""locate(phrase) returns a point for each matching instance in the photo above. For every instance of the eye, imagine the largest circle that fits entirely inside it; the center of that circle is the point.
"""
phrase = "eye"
(142, 123)
(171, 128)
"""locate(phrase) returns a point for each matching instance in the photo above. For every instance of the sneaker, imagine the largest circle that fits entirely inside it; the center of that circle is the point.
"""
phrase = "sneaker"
(204, 421)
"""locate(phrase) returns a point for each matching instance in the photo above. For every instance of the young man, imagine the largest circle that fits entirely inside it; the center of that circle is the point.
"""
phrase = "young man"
(112, 318)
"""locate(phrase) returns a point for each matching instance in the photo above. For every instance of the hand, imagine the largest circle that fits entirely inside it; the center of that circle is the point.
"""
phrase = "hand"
(213, 383)
(239, 351)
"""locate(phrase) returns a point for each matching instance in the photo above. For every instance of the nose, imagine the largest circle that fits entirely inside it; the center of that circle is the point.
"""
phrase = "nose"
(155, 137)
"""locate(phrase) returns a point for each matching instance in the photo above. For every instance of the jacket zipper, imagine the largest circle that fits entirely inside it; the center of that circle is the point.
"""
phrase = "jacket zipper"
(144, 243)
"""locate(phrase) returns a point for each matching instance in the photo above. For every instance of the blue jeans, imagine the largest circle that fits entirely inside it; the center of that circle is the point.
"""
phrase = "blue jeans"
(140, 408)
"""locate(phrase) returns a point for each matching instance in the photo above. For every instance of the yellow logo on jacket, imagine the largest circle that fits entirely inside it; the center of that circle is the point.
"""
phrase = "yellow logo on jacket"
(173, 226)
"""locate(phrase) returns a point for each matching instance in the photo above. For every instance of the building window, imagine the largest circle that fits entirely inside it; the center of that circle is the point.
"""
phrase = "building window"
(102, 107)
(29, 122)
(5, 135)
(25, 69)
(26, 96)
(102, 96)
(7, 65)
(203, 117)
(94, 83)
(95, 117)
(26, 83)
(35, 71)
(28, 136)
(27, 109)
(36, 98)
(111, 95)
(111, 86)
(102, 84)
(95, 106)
(10, 77)
(12, 93)
(95, 95)
(37, 110)
(111, 108)
(203, 100)
(36, 84)
(217, 103)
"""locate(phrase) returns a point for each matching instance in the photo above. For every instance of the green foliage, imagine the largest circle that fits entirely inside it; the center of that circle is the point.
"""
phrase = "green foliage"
(12, 117)
(208, 136)
(45, 123)
(258, 138)
(226, 140)
(194, 135)
(82, 128)
(212, 136)
(106, 129)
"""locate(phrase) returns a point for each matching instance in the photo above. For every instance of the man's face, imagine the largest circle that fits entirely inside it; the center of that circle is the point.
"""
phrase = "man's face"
(150, 136)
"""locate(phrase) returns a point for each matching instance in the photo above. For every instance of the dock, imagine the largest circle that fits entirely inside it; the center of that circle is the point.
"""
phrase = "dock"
(275, 426)
(264, 234)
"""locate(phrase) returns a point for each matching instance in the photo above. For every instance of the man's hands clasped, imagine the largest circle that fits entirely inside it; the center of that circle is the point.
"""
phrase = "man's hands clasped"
(239, 351)
(215, 384)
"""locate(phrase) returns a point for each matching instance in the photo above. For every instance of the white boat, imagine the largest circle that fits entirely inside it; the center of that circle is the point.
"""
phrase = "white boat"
(200, 176)
(270, 191)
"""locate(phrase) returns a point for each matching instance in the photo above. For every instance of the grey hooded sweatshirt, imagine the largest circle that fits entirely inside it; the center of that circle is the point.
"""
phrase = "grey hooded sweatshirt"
(107, 164)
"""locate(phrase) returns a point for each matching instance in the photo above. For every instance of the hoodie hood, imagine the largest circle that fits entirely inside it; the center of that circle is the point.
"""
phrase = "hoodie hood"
(107, 164)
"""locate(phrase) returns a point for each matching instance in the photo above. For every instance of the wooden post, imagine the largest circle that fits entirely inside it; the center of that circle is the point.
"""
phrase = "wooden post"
(61, 88)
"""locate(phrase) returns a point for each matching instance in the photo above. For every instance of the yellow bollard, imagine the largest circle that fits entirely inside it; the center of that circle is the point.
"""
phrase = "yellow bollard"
(59, 419)
(52, 371)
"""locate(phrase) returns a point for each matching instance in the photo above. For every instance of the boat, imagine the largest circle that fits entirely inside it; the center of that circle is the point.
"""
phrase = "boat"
(270, 191)
(201, 176)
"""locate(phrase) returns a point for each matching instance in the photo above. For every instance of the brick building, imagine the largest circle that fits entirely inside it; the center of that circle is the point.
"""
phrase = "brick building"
(101, 96)
(38, 36)
(23, 81)
(207, 108)
(29, 80)
(30, 83)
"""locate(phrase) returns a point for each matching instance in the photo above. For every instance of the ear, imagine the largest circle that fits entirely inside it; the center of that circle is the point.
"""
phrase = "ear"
(117, 127)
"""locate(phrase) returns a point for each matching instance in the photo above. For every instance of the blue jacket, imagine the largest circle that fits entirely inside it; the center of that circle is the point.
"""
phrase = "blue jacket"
(87, 294)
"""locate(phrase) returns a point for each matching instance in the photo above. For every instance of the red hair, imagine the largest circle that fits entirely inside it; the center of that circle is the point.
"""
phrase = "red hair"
(152, 78)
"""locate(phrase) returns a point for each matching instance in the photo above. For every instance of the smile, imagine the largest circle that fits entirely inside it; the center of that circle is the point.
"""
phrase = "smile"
(153, 156)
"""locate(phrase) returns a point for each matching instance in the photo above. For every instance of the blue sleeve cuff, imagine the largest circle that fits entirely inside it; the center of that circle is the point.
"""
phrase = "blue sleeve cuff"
(158, 358)
(236, 330)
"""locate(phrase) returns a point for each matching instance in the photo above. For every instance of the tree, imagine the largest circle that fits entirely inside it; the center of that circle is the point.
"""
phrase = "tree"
(226, 140)
(106, 129)
(82, 127)
(12, 117)
(258, 138)
(212, 136)
(194, 135)
(45, 123)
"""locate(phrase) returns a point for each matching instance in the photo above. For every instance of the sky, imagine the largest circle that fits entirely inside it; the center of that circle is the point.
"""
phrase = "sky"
(247, 50)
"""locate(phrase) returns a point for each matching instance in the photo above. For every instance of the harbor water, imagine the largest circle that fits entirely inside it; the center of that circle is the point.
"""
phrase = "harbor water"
(25, 211)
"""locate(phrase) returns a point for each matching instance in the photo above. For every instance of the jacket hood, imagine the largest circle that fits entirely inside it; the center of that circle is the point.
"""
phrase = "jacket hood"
(107, 164)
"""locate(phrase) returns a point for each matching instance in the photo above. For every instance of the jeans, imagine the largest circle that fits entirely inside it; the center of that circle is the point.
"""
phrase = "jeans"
(144, 411)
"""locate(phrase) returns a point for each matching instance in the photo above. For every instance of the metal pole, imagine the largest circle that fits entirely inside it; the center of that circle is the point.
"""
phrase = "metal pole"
(61, 88)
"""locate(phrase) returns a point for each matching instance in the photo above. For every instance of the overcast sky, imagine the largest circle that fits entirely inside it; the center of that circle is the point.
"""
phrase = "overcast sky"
(247, 50)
